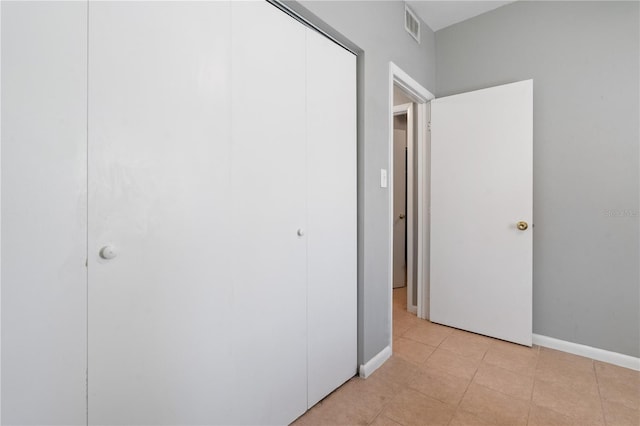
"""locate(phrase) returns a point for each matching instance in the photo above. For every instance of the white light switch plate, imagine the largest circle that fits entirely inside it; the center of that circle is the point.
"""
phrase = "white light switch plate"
(384, 182)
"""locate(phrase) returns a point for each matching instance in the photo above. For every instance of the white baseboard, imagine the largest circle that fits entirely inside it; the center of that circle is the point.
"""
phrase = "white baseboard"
(374, 363)
(614, 358)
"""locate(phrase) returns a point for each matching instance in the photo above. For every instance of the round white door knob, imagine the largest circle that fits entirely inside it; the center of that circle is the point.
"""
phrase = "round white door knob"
(108, 252)
(300, 232)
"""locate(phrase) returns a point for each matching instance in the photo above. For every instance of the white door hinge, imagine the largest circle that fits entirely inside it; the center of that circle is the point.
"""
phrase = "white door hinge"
(429, 126)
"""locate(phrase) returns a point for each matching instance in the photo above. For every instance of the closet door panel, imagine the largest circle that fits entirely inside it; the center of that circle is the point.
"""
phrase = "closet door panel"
(331, 170)
(44, 228)
(269, 208)
(159, 195)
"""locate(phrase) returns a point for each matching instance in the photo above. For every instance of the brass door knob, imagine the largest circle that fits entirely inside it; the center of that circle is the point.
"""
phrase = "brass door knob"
(522, 225)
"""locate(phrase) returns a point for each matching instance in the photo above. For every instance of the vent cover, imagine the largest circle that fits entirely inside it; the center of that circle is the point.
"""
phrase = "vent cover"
(411, 23)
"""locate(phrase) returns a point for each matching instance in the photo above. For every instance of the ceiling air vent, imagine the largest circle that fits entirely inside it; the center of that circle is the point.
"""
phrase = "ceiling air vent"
(411, 23)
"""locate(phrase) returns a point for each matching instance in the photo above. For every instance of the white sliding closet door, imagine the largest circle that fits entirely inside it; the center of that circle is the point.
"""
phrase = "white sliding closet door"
(269, 211)
(160, 312)
(178, 214)
(332, 263)
(44, 234)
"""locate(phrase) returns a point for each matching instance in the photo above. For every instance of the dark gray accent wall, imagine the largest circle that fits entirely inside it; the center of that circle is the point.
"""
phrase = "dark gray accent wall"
(377, 28)
(584, 58)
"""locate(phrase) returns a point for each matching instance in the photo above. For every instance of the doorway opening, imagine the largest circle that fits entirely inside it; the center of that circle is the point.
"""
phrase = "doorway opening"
(404, 207)
(408, 192)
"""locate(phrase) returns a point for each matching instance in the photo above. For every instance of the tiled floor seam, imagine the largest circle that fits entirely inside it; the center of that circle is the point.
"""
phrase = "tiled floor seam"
(385, 404)
(533, 386)
(499, 391)
(558, 412)
(390, 401)
(569, 416)
(378, 414)
(595, 373)
(463, 395)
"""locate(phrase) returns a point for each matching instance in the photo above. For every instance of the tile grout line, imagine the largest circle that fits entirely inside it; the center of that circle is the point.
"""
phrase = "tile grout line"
(378, 414)
(467, 389)
(501, 392)
(568, 415)
(595, 373)
(510, 371)
(423, 364)
(481, 360)
(533, 387)
(386, 404)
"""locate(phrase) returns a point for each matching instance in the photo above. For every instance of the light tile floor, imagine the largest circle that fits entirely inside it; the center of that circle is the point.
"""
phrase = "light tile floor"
(443, 376)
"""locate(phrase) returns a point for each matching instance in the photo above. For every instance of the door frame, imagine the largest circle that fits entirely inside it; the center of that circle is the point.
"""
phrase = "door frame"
(421, 97)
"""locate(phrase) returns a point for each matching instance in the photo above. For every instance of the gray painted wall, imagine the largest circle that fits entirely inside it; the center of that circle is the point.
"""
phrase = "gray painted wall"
(377, 28)
(584, 60)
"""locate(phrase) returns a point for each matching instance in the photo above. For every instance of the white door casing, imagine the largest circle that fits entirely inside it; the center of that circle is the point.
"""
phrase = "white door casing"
(420, 96)
(481, 187)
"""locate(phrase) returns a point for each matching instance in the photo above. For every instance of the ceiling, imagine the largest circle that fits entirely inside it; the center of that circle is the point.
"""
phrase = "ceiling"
(441, 14)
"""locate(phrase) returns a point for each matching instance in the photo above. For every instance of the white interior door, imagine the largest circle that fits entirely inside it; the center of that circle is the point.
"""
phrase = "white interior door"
(269, 220)
(481, 187)
(332, 241)
(160, 312)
